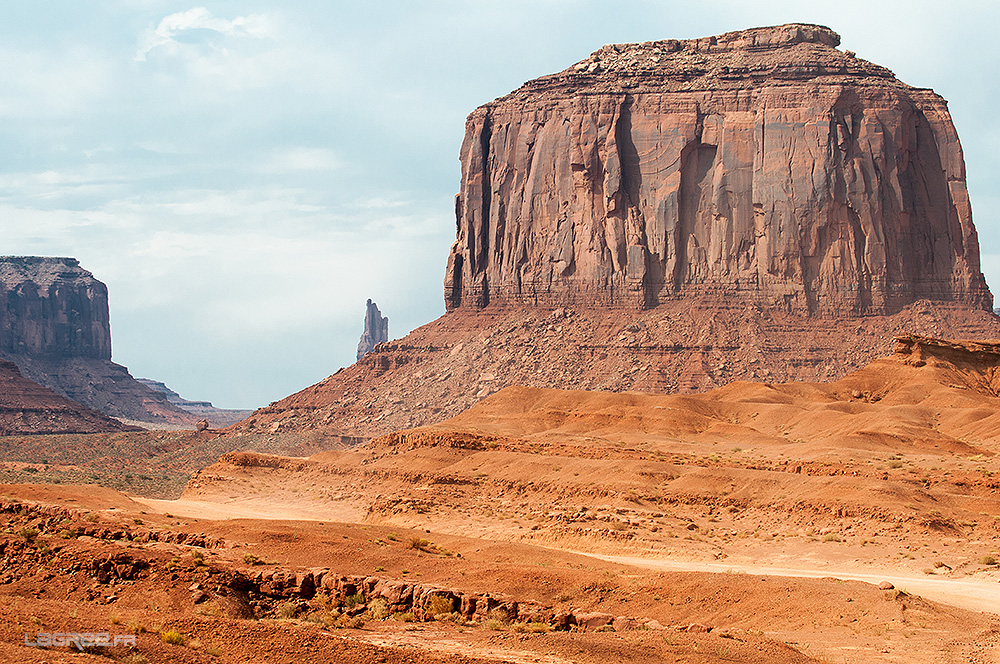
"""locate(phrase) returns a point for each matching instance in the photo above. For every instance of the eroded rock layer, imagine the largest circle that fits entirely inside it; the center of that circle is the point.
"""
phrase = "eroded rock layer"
(442, 368)
(763, 166)
(29, 408)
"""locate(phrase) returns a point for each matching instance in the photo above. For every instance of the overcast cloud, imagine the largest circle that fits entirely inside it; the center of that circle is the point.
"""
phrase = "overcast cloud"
(244, 175)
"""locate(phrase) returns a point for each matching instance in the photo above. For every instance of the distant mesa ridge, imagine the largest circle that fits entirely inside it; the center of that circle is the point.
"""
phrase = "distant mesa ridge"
(761, 166)
(216, 417)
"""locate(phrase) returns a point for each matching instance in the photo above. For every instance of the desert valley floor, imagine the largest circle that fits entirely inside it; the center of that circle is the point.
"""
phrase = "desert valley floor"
(854, 521)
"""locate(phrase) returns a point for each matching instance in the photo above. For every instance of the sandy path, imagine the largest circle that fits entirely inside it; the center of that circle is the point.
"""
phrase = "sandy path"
(971, 594)
(966, 593)
(201, 509)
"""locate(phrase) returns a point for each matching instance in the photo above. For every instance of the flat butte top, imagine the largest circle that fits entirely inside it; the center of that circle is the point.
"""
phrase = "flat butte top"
(784, 54)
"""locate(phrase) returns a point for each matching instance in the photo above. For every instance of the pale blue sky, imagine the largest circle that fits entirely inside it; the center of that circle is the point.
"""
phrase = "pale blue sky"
(244, 175)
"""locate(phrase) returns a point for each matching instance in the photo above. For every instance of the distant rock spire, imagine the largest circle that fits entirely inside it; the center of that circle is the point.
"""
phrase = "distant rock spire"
(376, 330)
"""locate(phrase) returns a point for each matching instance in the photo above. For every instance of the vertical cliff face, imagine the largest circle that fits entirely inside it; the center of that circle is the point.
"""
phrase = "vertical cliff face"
(52, 307)
(376, 330)
(763, 166)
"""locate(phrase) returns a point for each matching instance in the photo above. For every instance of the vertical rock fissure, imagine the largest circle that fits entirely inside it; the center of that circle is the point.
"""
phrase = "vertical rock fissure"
(485, 137)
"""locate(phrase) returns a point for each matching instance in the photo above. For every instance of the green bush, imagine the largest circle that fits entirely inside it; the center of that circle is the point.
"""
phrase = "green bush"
(172, 637)
(252, 560)
(354, 600)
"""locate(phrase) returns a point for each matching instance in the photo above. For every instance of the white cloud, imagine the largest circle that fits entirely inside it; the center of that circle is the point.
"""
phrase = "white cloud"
(169, 34)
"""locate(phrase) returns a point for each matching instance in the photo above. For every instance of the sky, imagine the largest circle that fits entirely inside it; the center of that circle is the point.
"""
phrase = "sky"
(245, 175)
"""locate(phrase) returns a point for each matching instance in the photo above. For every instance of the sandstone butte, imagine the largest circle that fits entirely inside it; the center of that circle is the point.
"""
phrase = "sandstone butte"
(55, 326)
(674, 215)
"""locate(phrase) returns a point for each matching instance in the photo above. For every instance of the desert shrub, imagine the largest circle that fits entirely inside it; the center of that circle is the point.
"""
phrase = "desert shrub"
(439, 604)
(213, 651)
(378, 609)
(172, 637)
(198, 557)
(286, 610)
(392, 537)
(499, 614)
(831, 537)
(65, 533)
(252, 560)
(347, 622)
(987, 560)
(420, 543)
(28, 534)
(354, 600)
(531, 628)
(403, 616)
(492, 624)
(135, 627)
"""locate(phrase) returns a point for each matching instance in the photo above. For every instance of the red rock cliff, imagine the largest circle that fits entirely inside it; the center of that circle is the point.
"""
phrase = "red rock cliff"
(52, 306)
(763, 165)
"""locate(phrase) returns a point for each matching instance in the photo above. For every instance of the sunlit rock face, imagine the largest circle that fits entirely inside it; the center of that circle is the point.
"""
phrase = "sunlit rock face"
(763, 166)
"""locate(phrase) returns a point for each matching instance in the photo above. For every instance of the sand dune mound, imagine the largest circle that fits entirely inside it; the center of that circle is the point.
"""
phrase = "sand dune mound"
(896, 450)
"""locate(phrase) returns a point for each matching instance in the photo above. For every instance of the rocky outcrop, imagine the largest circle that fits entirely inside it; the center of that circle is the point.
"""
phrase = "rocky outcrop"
(762, 166)
(376, 330)
(55, 326)
(29, 408)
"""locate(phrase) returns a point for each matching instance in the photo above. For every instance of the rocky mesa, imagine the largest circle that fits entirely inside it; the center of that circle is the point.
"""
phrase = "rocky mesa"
(55, 326)
(763, 165)
(675, 215)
